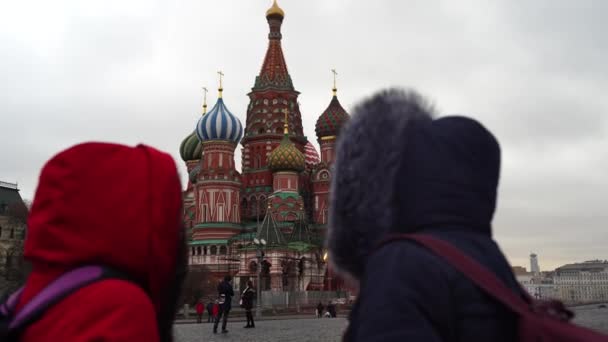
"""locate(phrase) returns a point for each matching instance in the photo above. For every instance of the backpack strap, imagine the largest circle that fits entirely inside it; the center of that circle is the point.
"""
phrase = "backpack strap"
(9, 305)
(53, 293)
(477, 273)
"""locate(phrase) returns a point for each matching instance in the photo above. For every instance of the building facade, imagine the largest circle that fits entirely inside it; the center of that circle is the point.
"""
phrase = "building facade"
(13, 213)
(281, 194)
(582, 282)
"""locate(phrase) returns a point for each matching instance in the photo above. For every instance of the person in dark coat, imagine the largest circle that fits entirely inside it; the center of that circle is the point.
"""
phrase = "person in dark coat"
(320, 309)
(210, 311)
(247, 300)
(437, 177)
(225, 293)
(331, 309)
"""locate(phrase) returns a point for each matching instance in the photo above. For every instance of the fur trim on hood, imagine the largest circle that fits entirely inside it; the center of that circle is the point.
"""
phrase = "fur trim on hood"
(368, 155)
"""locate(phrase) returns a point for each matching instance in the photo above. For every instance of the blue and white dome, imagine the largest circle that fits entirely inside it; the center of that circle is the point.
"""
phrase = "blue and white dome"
(219, 124)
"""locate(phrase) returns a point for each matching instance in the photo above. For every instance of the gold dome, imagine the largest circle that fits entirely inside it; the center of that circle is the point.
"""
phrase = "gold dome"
(275, 10)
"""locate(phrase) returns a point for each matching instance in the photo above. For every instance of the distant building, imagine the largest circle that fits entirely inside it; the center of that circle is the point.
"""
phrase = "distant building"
(519, 270)
(582, 282)
(539, 286)
(534, 268)
(13, 213)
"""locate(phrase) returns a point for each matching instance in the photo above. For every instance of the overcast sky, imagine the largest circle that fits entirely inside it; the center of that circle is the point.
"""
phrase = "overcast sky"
(534, 72)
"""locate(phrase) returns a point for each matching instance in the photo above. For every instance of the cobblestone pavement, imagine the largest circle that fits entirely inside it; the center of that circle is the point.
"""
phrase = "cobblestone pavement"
(591, 316)
(322, 330)
(294, 330)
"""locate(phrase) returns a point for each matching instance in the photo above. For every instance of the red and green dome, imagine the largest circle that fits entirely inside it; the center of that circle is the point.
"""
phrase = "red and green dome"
(191, 148)
(332, 119)
(287, 157)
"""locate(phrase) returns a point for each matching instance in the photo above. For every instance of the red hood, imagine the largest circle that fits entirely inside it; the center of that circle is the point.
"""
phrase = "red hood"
(107, 204)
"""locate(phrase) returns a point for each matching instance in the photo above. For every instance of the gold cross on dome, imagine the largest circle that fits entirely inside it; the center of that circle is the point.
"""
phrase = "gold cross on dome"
(205, 100)
(221, 88)
(335, 89)
(286, 126)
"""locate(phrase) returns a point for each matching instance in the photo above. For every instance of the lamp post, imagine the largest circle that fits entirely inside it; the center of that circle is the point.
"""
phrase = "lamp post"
(260, 244)
(325, 257)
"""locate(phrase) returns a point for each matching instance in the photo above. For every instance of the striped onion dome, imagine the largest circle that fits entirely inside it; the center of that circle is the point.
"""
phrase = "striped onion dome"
(332, 119)
(286, 157)
(219, 124)
(191, 148)
(311, 155)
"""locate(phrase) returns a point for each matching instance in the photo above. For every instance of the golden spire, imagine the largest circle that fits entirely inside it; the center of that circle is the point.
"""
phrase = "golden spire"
(335, 89)
(205, 100)
(220, 89)
(286, 125)
(275, 10)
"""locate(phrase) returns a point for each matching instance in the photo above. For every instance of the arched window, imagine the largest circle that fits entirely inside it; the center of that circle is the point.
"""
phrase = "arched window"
(262, 205)
(213, 250)
(223, 250)
(244, 206)
(192, 251)
(253, 203)
(205, 250)
(198, 250)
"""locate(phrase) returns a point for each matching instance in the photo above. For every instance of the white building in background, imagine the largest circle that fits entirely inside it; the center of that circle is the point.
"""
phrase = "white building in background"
(582, 282)
(534, 268)
(539, 286)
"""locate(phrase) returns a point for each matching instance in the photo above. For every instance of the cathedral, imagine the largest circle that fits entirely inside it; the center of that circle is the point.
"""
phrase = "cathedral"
(281, 195)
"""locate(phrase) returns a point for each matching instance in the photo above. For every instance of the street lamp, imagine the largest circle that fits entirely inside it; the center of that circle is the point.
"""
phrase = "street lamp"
(260, 244)
(329, 280)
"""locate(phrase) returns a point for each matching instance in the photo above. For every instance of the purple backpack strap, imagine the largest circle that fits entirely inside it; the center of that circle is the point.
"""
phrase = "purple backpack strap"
(51, 294)
(9, 306)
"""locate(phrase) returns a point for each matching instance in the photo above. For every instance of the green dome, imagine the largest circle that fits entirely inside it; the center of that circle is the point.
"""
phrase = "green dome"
(191, 148)
(287, 157)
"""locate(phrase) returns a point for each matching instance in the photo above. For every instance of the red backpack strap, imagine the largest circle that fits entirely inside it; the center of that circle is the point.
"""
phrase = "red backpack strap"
(477, 273)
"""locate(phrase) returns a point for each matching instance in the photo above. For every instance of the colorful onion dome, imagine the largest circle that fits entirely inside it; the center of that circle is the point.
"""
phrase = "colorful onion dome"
(275, 10)
(332, 119)
(191, 148)
(286, 157)
(311, 155)
(219, 124)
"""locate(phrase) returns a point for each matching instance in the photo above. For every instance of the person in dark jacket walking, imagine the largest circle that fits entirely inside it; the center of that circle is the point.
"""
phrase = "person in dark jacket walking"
(320, 309)
(247, 300)
(436, 177)
(225, 293)
(210, 312)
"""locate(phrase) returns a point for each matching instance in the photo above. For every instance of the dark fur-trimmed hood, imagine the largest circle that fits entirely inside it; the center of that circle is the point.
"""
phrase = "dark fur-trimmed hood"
(400, 170)
(367, 157)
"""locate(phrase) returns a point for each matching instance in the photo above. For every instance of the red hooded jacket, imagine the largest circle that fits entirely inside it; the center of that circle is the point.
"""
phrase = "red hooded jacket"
(108, 205)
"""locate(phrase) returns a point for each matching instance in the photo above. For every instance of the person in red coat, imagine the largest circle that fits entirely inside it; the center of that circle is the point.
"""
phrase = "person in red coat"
(200, 309)
(115, 206)
(216, 309)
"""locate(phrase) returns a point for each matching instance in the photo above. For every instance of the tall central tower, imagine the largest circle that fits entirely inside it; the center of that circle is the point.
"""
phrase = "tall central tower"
(271, 95)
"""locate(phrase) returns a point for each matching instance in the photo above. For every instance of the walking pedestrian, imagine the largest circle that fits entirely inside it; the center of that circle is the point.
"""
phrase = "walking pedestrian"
(200, 309)
(320, 309)
(436, 177)
(215, 310)
(210, 312)
(247, 303)
(225, 293)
